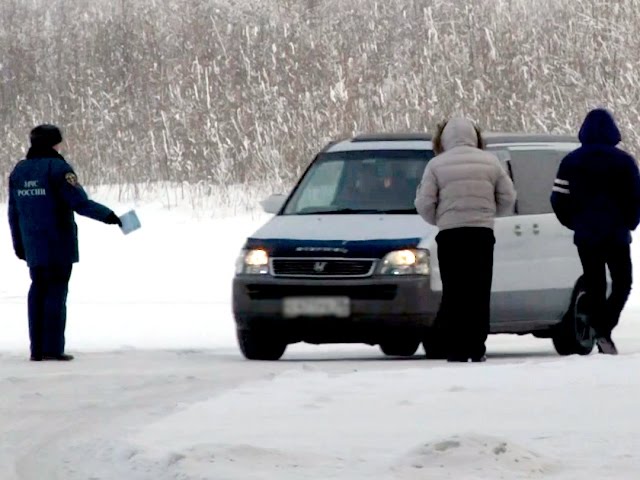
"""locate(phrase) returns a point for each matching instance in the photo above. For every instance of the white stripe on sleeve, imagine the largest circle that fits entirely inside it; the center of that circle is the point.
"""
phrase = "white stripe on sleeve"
(562, 182)
(561, 190)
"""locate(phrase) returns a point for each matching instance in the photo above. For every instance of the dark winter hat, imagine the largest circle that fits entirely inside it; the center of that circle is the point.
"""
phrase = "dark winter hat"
(46, 136)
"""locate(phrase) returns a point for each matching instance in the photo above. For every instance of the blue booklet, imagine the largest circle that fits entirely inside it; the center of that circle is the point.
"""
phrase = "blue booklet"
(130, 222)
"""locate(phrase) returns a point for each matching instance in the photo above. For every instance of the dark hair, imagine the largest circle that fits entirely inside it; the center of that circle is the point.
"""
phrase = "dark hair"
(437, 139)
(46, 136)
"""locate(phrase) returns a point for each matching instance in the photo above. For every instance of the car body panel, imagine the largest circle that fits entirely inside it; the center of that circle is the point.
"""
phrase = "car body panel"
(368, 227)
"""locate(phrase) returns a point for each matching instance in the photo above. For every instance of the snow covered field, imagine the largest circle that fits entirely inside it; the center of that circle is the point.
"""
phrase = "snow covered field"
(159, 389)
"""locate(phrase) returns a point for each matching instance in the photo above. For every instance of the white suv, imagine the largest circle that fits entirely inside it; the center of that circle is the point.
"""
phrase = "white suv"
(346, 258)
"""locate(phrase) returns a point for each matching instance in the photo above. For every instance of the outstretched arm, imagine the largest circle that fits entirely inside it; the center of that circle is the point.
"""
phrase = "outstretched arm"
(66, 183)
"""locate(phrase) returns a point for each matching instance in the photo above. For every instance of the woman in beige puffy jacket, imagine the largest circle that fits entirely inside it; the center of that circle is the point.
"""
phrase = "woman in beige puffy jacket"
(462, 190)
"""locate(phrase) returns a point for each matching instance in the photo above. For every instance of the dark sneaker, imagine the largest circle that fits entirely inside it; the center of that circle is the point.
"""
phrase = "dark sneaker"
(457, 359)
(61, 358)
(36, 358)
(483, 358)
(606, 346)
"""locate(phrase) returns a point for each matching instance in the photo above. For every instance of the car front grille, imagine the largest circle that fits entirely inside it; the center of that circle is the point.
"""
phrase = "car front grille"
(354, 292)
(321, 267)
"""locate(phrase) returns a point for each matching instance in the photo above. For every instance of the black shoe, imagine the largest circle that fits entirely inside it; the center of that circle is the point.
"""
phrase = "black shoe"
(63, 357)
(36, 358)
(458, 359)
(482, 358)
(606, 346)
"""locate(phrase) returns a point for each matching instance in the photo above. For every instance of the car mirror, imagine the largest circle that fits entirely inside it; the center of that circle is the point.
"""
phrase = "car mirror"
(273, 203)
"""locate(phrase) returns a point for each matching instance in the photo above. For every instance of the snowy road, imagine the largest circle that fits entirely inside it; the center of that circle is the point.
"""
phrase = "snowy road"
(159, 390)
(47, 409)
(322, 412)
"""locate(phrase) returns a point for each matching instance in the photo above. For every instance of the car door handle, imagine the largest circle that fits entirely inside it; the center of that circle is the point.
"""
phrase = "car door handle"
(517, 230)
(536, 229)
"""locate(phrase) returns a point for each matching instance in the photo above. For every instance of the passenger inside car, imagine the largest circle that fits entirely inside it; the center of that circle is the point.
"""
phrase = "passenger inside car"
(381, 186)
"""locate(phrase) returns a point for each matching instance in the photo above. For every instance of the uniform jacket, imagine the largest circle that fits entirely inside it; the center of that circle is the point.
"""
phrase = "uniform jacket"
(464, 186)
(597, 190)
(44, 193)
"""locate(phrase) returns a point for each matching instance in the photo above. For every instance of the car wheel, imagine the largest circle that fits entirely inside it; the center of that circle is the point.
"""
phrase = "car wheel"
(574, 335)
(400, 346)
(260, 345)
(434, 344)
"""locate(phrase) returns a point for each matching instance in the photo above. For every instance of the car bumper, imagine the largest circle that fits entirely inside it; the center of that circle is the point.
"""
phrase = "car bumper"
(376, 305)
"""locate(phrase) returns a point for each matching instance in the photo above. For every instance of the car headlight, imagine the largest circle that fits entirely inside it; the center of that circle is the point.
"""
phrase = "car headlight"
(253, 262)
(405, 262)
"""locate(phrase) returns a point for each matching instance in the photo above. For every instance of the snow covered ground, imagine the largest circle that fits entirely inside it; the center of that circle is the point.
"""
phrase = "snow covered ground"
(160, 391)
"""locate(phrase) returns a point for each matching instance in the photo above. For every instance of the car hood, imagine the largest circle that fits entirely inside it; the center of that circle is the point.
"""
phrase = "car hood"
(340, 235)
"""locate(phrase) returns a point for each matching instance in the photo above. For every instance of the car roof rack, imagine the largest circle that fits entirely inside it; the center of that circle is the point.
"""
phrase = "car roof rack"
(393, 137)
(490, 137)
(498, 137)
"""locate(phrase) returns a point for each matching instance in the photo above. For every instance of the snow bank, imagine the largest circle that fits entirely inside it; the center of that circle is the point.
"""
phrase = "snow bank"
(561, 419)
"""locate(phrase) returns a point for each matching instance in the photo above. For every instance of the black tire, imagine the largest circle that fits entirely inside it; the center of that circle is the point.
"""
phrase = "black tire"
(259, 345)
(434, 344)
(574, 335)
(400, 346)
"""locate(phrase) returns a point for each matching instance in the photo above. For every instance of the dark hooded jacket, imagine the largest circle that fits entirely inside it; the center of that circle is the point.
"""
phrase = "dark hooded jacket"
(44, 193)
(597, 190)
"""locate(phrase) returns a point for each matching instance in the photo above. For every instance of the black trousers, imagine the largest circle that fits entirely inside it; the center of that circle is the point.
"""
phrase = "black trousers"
(605, 312)
(48, 309)
(465, 256)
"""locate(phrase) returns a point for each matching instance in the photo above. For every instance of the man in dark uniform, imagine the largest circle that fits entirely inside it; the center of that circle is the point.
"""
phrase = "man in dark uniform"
(597, 195)
(43, 194)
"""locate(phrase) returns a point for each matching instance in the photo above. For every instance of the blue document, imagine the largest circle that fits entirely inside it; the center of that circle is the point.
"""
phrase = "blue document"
(130, 222)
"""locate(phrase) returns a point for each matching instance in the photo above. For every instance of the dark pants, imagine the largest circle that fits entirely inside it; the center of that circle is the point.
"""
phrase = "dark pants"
(605, 312)
(465, 256)
(48, 309)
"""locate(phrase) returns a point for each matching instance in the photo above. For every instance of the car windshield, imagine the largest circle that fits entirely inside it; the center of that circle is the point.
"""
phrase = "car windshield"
(373, 181)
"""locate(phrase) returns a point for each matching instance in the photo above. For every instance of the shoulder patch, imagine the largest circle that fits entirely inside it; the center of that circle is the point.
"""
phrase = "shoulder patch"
(71, 179)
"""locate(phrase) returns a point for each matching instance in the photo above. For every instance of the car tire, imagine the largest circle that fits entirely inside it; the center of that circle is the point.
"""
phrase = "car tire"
(256, 345)
(434, 344)
(400, 346)
(574, 335)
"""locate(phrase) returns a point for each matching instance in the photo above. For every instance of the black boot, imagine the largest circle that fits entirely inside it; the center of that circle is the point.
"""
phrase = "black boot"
(606, 345)
(63, 357)
(458, 359)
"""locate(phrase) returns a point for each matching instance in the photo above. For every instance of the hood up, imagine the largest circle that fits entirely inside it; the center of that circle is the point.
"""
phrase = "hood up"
(599, 127)
(459, 132)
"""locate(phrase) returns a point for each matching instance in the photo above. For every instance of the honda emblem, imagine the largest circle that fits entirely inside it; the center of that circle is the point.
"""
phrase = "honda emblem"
(319, 267)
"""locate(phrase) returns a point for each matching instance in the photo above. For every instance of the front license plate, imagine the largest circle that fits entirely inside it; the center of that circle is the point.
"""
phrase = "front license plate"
(316, 307)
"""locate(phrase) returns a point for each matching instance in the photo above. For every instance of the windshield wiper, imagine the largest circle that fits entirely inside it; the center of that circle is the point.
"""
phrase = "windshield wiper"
(399, 211)
(340, 211)
(346, 211)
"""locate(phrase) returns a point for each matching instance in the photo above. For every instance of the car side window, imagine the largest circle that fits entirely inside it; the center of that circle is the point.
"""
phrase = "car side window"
(533, 170)
(504, 157)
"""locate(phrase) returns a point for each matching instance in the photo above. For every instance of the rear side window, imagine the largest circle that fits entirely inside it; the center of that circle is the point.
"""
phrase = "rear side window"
(533, 170)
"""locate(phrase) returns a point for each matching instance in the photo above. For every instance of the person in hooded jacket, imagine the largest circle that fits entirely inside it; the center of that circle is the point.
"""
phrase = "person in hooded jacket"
(463, 189)
(597, 195)
(44, 193)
